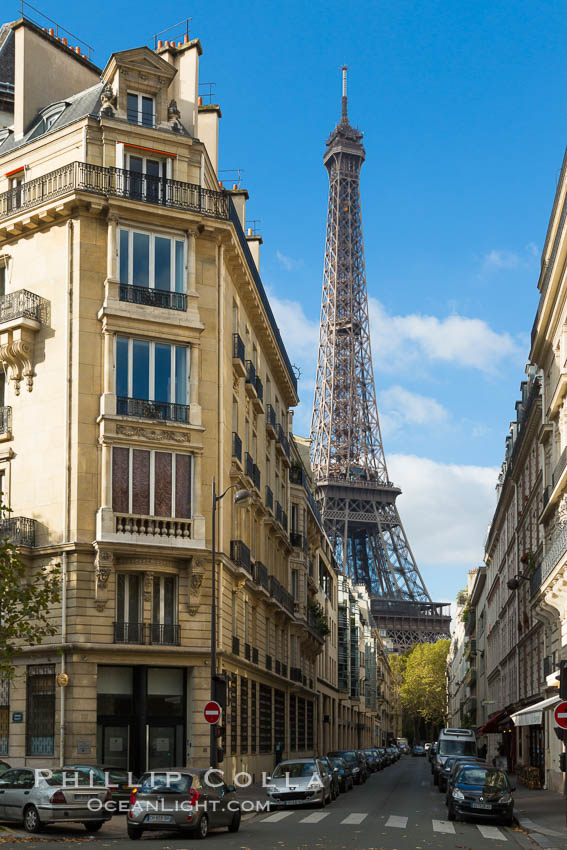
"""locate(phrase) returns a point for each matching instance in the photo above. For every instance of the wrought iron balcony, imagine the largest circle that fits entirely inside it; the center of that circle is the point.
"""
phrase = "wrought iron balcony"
(297, 539)
(251, 374)
(236, 446)
(259, 389)
(260, 575)
(297, 475)
(249, 466)
(271, 422)
(19, 530)
(268, 662)
(295, 674)
(254, 655)
(269, 498)
(535, 581)
(284, 670)
(152, 297)
(238, 356)
(143, 409)
(278, 667)
(164, 634)
(5, 420)
(247, 651)
(256, 476)
(114, 182)
(284, 520)
(235, 645)
(240, 554)
(279, 512)
(129, 633)
(281, 595)
(20, 305)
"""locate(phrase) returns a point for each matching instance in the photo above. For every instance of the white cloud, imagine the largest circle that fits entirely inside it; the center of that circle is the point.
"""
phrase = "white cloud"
(445, 508)
(289, 263)
(402, 342)
(300, 335)
(504, 259)
(402, 407)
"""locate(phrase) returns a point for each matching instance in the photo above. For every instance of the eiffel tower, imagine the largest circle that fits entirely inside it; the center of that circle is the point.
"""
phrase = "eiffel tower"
(356, 497)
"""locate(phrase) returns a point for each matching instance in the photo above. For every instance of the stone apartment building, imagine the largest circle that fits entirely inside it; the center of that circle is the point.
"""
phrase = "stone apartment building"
(141, 360)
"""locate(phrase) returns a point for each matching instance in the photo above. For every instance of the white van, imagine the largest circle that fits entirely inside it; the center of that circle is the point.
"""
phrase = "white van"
(453, 742)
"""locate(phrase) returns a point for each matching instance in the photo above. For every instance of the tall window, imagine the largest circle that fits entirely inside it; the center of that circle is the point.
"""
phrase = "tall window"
(151, 260)
(243, 715)
(253, 716)
(164, 610)
(151, 371)
(265, 719)
(40, 711)
(141, 109)
(279, 718)
(4, 715)
(129, 628)
(151, 483)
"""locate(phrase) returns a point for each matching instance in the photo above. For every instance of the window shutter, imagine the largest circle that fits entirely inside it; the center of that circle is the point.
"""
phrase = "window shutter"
(183, 486)
(162, 484)
(140, 482)
(119, 155)
(120, 464)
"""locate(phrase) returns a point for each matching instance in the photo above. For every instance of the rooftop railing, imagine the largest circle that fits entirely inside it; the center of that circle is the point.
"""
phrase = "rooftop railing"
(152, 297)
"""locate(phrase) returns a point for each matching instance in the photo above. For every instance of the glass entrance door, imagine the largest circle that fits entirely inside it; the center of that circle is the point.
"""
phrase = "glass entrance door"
(161, 747)
(115, 746)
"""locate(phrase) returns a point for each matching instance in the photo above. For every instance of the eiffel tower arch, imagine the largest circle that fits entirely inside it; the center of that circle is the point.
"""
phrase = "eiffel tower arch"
(356, 496)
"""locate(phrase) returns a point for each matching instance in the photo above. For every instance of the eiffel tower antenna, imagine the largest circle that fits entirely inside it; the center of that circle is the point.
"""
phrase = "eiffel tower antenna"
(357, 499)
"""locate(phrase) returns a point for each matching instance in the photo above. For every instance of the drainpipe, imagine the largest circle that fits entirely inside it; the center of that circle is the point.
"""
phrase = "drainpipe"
(220, 426)
(66, 482)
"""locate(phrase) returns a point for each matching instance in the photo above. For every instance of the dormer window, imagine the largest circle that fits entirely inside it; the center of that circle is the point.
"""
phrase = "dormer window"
(49, 116)
(141, 109)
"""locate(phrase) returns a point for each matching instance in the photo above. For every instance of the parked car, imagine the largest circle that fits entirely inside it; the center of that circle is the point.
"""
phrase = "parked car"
(363, 762)
(432, 752)
(299, 782)
(418, 750)
(453, 742)
(351, 759)
(344, 772)
(394, 753)
(334, 774)
(482, 791)
(39, 797)
(4, 766)
(371, 760)
(182, 799)
(385, 755)
(455, 770)
(119, 781)
(450, 764)
(379, 759)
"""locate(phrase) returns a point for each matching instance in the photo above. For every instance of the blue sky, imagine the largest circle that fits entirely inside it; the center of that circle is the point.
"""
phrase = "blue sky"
(463, 112)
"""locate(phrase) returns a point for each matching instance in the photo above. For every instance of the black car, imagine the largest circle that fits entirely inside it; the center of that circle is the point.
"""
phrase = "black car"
(481, 791)
(334, 774)
(371, 760)
(379, 760)
(364, 766)
(344, 772)
(418, 750)
(450, 766)
(351, 759)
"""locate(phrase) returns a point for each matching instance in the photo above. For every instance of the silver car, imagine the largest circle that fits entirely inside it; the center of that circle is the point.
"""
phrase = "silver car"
(38, 797)
(299, 782)
(184, 800)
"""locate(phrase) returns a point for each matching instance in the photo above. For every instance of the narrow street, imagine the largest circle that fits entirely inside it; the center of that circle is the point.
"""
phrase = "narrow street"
(396, 809)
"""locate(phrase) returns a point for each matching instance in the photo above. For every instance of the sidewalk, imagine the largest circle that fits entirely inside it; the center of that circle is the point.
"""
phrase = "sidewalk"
(542, 815)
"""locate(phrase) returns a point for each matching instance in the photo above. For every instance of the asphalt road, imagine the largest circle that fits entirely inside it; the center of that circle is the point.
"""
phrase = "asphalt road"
(397, 809)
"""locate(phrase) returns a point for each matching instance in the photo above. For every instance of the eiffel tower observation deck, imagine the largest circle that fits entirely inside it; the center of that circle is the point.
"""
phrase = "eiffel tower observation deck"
(356, 497)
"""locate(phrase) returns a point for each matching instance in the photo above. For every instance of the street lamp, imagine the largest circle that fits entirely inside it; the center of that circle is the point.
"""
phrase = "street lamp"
(514, 582)
(240, 498)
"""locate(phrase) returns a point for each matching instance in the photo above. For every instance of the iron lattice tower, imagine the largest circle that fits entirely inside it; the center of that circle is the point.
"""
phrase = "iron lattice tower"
(357, 498)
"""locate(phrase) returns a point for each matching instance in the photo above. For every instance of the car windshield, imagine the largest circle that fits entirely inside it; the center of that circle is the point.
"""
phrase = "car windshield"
(494, 779)
(165, 782)
(457, 748)
(70, 778)
(294, 769)
(336, 762)
(349, 756)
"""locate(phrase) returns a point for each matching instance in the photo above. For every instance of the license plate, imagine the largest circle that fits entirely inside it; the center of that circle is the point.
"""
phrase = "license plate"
(481, 806)
(81, 796)
(159, 819)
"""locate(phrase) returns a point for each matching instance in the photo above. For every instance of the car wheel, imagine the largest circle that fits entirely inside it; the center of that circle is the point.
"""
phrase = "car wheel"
(508, 821)
(203, 827)
(32, 822)
(234, 825)
(134, 832)
(442, 787)
(436, 779)
(451, 814)
(93, 825)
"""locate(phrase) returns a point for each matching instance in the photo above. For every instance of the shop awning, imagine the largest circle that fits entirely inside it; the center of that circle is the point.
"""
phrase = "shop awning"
(532, 714)
(492, 723)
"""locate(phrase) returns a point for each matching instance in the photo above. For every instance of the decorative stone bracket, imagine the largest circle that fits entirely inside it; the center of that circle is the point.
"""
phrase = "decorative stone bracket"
(16, 356)
(104, 564)
(195, 584)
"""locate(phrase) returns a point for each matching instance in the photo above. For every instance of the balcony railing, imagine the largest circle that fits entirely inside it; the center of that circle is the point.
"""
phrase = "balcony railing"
(154, 634)
(116, 182)
(152, 297)
(297, 475)
(284, 520)
(129, 632)
(237, 348)
(279, 512)
(240, 554)
(249, 466)
(260, 575)
(5, 420)
(164, 634)
(271, 418)
(256, 476)
(281, 595)
(143, 409)
(19, 530)
(284, 670)
(268, 662)
(254, 655)
(559, 467)
(295, 674)
(269, 498)
(235, 645)
(250, 373)
(152, 526)
(278, 667)
(20, 305)
(297, 539)
(247, 651)
(554, 553)
(236, 446)
(535, 581)
(259, 388)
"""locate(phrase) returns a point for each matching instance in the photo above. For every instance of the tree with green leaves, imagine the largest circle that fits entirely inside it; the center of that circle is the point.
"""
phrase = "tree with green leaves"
(423, 692)
(26, 602)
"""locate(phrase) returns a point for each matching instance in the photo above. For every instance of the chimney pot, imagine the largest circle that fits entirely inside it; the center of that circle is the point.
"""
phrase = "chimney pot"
(234, 187)
(186, 38)
(65, 42)
(44, 29)
(179, 43)
(220, 184)
(250, 232)
(200, 101)
(160, 44)
(51, 31)
(77, 49)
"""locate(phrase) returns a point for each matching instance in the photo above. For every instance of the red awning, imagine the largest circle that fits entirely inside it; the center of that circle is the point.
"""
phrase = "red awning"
(492, 723)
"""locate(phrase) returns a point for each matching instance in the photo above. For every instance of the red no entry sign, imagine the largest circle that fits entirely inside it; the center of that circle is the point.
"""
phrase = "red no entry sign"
(212, 712)
(560, 714)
